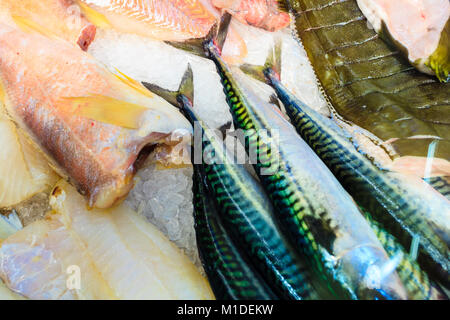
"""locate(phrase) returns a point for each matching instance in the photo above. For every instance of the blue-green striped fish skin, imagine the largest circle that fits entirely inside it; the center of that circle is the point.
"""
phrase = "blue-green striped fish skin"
(405, 206)
(417, 282)
(441, 184)
(247, 214)
(230, 276)
(315, 211)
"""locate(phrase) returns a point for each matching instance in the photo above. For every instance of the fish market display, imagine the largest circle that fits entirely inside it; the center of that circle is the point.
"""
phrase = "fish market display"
(230, 275)
(172, 20)
(74, 109)
(259, 13)
(394, 200)
(369, 83)
(319, 216)
(130, 260)
(312, 162)
(60, 17)
(244, 206)
(420, 29)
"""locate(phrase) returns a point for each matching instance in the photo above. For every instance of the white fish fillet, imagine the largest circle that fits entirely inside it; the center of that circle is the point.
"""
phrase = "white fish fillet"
(118, 254)
(23, 170)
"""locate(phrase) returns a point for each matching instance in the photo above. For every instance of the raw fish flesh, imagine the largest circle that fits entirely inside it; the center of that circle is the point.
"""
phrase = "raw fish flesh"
(419, 28)
(62, 17)
(116, 253)
(258, 13)
(172, 20)
(23, 170)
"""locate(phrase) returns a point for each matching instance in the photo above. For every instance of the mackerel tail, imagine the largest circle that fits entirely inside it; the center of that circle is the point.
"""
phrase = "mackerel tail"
(243, 206)
(319, 217)
(230, 275)
(409, 209)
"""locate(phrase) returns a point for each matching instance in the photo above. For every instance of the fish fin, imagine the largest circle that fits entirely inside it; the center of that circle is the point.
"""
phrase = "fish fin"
(187, 84)
(217, 34)
(224, 128)
(273, 99)
(254, 71)
(195, 46)
(27, 25)
(222, 31)
(136, 85)
(284, 6)
(107, 110)
(95, 17)
(186, 89)
(272, 64)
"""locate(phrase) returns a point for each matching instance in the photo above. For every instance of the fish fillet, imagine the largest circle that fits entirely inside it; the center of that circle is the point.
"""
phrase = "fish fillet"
(172, 20)
(415, 26)
(91, 123)
(117, 254)
(23, 170)
(62, 17)
(258, 13)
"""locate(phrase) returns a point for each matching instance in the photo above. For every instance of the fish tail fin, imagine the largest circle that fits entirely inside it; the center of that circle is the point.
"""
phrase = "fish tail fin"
(216, 36)
(222, 31)
(187, 84)
(186, 89)
(271, 67)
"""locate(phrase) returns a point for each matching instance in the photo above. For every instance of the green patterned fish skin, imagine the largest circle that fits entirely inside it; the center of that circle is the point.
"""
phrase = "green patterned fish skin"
(302, 197)
(402, 208)
(247, 214)
(230, 275)
(368, 82)
(441, 184)
(416, 281)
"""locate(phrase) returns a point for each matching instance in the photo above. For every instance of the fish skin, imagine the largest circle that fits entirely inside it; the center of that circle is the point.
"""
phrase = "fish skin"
(170, 20)
(416, 281)
(441, 184)
(320, 218)
(246, 211)
(420, 40)
(407, 209)
(370, 83)
(230, 275)
(97, 157)
(258, 13)
(62, 17)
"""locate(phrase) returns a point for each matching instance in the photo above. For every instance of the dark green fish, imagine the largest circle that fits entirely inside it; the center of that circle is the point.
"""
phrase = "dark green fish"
(369, 82)
(230, 275)
(407, 208)
(318, 215)
(417, 282)
(243, 206)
